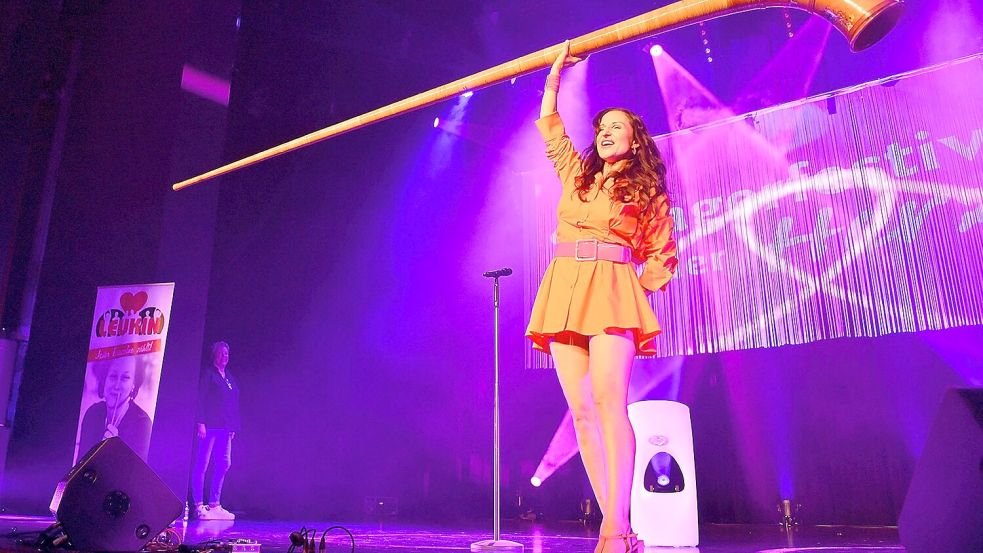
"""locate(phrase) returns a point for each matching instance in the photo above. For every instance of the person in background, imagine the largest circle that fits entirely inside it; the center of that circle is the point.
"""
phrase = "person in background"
(216, 424)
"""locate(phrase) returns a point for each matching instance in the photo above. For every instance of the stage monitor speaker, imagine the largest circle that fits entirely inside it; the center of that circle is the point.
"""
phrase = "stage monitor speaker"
(943, 512)
(112, 501)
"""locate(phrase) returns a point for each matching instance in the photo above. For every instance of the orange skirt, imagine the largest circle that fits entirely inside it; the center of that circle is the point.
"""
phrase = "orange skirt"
(591, 298)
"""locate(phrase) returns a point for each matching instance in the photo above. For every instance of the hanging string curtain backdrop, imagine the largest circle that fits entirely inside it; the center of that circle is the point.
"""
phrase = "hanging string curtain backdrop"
(857, 213)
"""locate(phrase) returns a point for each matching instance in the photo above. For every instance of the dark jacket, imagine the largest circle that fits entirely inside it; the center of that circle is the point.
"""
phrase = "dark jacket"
(134, 429)
(218, 400)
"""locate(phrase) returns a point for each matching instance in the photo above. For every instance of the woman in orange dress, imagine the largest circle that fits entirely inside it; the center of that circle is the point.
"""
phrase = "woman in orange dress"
(592, 312)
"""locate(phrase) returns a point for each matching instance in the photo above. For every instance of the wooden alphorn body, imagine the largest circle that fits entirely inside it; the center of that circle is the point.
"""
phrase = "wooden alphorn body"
(862, 22)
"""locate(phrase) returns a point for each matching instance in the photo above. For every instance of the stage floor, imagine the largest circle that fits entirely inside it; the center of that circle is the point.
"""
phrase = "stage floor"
(552, 537)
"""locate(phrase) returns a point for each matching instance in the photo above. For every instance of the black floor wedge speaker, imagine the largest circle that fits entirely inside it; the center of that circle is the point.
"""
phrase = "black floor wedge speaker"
(112, 501)
(943, 512)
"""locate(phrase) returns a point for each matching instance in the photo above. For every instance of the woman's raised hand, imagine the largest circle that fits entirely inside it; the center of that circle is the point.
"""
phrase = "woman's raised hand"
(564, 59)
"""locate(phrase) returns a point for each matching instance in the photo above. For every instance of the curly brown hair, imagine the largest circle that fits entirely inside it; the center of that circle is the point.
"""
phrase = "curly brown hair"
(641, 181)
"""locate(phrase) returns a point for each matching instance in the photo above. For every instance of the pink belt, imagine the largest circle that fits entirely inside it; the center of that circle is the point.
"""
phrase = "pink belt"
(593, 250)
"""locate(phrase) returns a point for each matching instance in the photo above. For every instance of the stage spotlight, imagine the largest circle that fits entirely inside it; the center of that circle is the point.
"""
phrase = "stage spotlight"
(535, 481)
(656, 50)
(467, 94)
(512, 80)
(436, 122)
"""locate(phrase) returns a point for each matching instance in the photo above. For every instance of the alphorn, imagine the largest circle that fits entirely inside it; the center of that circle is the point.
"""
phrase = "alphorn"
(862, 22)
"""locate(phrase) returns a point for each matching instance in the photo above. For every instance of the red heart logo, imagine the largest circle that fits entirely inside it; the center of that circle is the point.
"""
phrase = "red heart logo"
(131, 303)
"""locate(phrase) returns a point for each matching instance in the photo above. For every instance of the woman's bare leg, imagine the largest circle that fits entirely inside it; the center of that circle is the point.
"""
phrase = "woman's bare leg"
(610, 361)
(570, 357)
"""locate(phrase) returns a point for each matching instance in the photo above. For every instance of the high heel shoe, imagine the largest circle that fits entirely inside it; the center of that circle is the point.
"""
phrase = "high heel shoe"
(629, 540)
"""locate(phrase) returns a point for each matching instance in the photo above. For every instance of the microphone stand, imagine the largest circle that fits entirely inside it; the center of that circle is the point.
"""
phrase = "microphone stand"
(496, 543)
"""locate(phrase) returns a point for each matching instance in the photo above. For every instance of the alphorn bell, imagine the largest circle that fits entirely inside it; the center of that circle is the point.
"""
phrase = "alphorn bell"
(862, 22)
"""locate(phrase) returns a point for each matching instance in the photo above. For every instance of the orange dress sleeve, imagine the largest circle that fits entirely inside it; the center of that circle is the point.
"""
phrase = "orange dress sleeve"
(560, 149)
(657, 248)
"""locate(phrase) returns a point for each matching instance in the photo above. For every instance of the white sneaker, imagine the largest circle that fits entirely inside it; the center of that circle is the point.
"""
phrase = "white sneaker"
(201, 512)
(218, 512)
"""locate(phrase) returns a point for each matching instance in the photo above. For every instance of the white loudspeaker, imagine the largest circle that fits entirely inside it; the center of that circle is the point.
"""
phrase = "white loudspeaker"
(663, 492)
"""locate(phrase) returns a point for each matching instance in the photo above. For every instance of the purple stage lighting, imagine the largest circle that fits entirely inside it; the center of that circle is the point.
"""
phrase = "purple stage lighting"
(205, 85)
(436, 122)
(535, 481)
(656, 50)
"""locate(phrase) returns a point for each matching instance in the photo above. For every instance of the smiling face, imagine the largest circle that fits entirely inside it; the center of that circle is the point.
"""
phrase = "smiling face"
(221, 357)
(120, 383)
(615, 137)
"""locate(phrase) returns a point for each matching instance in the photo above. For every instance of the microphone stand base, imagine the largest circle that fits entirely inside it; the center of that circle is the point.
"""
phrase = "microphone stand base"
(497, 546)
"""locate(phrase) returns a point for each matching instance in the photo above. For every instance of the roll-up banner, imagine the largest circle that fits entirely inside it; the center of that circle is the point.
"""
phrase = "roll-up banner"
(122, 372)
